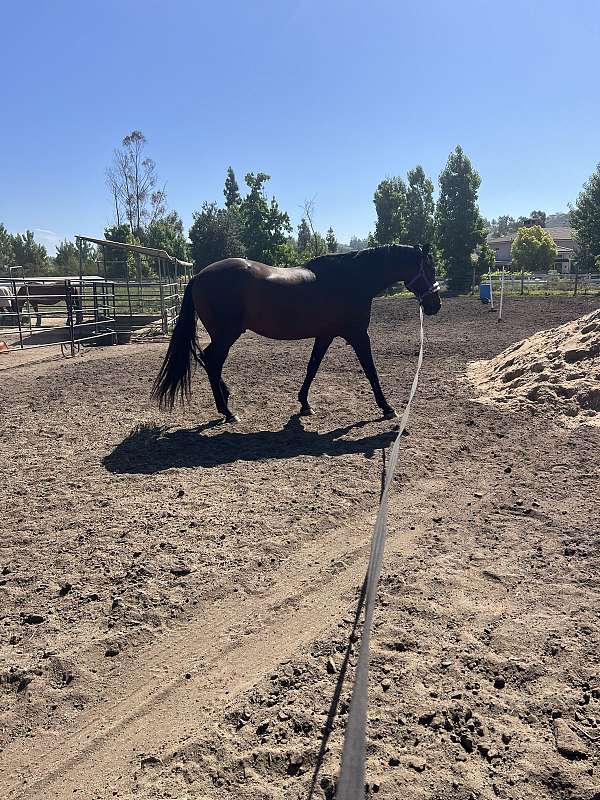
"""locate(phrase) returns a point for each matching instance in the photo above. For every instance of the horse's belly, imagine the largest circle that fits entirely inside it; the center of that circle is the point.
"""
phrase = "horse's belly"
(282, 331)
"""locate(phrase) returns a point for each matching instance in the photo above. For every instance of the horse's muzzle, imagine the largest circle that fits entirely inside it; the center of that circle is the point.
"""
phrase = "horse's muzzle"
(431, 304)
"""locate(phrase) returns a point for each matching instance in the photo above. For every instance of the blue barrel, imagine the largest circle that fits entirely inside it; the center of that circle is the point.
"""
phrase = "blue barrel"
(485, 293)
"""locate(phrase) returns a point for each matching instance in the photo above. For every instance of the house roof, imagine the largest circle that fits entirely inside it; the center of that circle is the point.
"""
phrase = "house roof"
(559, 233)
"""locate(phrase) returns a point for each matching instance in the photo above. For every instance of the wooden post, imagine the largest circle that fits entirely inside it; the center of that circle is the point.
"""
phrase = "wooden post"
(576, 277)
(491, 289)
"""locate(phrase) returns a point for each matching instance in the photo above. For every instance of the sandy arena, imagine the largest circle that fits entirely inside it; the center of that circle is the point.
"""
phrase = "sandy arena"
(177, 597)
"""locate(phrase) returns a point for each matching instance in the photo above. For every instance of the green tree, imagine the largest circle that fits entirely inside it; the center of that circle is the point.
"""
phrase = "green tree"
(167, 234)
(533, 250)
(585, 219)
(119, 264)
(264, 225)
(310, 243)
(486, 260)
(331, 241)
(287, 254)
(459, 226)
(419, 207)
(390, 206)
(318, 246)
(231, 191)
(504, 225)
(30, 254)
(359, 244)
(559, 219)
(7, 252)
(523, 222)
(67, 257)
(66, 260)
(133, 183)
(304, 236)
(538, 218)
(215, 234)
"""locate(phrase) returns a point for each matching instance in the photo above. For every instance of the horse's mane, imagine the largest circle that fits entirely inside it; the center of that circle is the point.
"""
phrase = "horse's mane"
(344, 262)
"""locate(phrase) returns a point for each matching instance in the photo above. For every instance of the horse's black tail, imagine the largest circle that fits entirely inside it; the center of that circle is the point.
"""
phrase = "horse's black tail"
(175, 375)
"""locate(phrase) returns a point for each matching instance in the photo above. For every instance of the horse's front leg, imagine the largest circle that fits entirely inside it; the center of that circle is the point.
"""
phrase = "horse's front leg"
(361, 344)
(320, 347)
(38, 316)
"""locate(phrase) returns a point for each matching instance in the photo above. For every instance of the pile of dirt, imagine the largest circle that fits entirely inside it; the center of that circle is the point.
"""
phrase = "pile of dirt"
(558, 369)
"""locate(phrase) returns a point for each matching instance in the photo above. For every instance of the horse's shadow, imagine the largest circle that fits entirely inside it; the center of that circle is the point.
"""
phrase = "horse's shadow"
(151, 448)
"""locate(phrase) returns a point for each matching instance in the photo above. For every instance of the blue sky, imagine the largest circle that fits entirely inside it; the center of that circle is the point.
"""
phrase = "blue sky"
(326, 97)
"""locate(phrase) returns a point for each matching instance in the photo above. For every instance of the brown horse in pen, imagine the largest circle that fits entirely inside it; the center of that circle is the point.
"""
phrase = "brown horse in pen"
(329, 296)
(47, 294)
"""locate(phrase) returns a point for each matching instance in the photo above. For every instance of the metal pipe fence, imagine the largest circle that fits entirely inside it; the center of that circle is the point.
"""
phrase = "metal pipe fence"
(570, 283)
(149, 299)
(88, 307)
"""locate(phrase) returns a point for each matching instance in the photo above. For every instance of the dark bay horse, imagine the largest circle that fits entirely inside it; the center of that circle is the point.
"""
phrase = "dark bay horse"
(46, 294)
(329, 296)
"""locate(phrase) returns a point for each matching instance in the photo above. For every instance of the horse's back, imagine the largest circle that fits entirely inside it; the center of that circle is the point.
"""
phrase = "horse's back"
(247, 271)
(237, 294)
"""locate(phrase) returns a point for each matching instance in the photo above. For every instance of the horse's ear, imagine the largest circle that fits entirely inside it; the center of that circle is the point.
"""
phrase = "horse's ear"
(426, 249)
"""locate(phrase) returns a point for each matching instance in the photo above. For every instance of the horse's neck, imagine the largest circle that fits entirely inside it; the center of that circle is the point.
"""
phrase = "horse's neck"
(398, 266)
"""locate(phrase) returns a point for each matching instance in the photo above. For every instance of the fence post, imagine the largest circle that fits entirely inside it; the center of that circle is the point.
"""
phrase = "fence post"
(69, 301)
(95, 301)
(576, 278)
(501, 295)
(522, 279)
(138, 267)
(162, 298)
(114, 304)
(14, 283)
(129, 299)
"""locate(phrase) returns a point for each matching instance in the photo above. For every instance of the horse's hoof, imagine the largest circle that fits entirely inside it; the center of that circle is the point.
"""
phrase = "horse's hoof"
(232, 418)
(306, 411)
(390, 414)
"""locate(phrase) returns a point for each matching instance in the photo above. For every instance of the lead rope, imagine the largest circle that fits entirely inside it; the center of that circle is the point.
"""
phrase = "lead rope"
(351, 784)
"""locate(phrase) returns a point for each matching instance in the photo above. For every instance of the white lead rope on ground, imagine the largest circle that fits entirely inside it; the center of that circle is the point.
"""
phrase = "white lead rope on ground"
(351, 784)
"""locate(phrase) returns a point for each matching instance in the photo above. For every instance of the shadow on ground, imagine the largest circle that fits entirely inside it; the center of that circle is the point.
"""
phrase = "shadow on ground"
(153, 448)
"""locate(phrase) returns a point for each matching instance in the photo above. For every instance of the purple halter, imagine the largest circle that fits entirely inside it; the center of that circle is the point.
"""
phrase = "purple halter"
(421, 293)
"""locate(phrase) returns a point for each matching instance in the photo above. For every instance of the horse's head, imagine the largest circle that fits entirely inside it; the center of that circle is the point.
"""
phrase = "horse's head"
(423, 283)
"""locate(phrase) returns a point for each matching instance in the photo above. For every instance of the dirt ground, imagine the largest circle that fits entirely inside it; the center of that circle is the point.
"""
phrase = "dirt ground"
(177, 597)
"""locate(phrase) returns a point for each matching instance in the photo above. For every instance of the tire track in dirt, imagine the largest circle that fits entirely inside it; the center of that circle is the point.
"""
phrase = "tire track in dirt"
(250, 636)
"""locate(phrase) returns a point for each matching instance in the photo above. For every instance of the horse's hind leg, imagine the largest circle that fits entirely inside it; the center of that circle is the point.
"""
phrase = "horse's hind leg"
(208, 357)
(214, 358)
